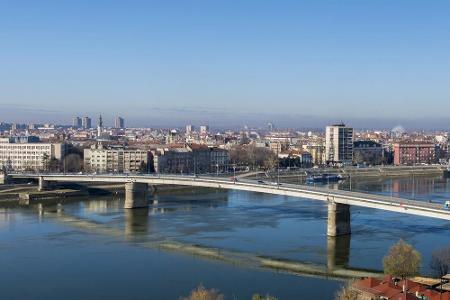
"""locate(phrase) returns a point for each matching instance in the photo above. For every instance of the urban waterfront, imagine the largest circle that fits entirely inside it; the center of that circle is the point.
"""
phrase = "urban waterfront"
(96, 249)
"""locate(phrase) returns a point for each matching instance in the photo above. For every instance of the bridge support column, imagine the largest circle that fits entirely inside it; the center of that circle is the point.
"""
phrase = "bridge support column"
(135, 195)
(338, 219)
(3, 178)
(43, 184)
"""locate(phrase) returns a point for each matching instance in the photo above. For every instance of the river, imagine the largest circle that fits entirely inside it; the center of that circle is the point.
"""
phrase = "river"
(94, 249)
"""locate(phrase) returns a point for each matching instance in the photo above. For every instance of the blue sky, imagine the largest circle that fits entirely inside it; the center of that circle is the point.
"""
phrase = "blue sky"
(296, 63)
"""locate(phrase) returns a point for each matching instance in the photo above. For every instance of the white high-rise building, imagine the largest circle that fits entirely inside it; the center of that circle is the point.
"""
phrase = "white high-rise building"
(76, 122)
(204, 129)
(119, 122)
(339, 144)
(189, 129)
(100, 126)
(86, 122)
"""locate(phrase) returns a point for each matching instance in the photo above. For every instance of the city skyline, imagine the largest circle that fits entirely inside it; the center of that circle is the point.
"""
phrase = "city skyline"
(223, 149)
(234, 63)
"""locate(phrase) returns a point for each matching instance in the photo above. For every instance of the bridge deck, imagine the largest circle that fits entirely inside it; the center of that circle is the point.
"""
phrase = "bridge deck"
(394, 204)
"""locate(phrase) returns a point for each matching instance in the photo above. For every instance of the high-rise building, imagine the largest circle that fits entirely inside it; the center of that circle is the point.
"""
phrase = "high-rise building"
(119, 122)
(204, 129)
(189, 129)
(339, 144)
(100, 126)
(86, 122)
(76, 122)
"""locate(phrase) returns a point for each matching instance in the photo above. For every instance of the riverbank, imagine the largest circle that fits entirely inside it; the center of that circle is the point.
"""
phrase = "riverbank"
(355, 173)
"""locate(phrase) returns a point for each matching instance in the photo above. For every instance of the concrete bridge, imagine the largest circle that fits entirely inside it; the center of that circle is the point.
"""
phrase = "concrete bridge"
(136, 189)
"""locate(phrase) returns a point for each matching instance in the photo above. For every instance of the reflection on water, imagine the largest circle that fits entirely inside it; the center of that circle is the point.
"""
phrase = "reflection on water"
(121, 250)
(338, 251)
(136, 223)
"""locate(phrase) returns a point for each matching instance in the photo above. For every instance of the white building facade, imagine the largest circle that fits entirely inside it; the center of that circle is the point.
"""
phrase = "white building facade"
(339, 144)
(115, 160)
(28, 156)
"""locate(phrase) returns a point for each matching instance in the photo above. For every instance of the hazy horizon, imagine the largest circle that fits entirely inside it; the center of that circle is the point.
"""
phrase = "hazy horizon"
(221, 119)
(371, 64)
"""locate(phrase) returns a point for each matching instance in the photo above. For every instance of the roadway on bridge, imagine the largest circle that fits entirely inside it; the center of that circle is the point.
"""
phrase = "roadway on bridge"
(394, 204)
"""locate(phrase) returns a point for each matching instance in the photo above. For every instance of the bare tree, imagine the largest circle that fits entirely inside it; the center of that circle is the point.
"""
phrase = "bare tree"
(54, 165)
(402, 260)
(440, 261)
(348, 292)
(358, 158)
(143, 167)
(250, 155)
(271, 160)
(200, 293)
(73, 163)
(45, 161)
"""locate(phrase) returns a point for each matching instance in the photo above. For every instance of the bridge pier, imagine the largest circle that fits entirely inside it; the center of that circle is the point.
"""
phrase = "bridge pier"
(43, 184)
(135, 195)
(338, 219)
(3, 178)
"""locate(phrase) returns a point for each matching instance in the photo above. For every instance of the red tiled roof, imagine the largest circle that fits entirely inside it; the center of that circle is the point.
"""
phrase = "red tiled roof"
(388, 290)
(438, 296)
(404, 297)
(392, 291)
(368, 282)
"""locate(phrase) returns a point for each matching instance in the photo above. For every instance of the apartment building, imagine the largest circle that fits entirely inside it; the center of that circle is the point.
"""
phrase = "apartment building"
(86, 122)
(317, 152)
(339, 144)
(411, 153)
(116, 160)
(119, 122)
(368, 152)
(76, 122)
(192, 158)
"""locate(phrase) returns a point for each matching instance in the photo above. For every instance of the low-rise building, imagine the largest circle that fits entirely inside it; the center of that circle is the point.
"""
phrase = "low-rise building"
(295, 158)
(411, 153)
(191, 158)
(396, 289)
(317, 152)
(367, 152)
(27, 154)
